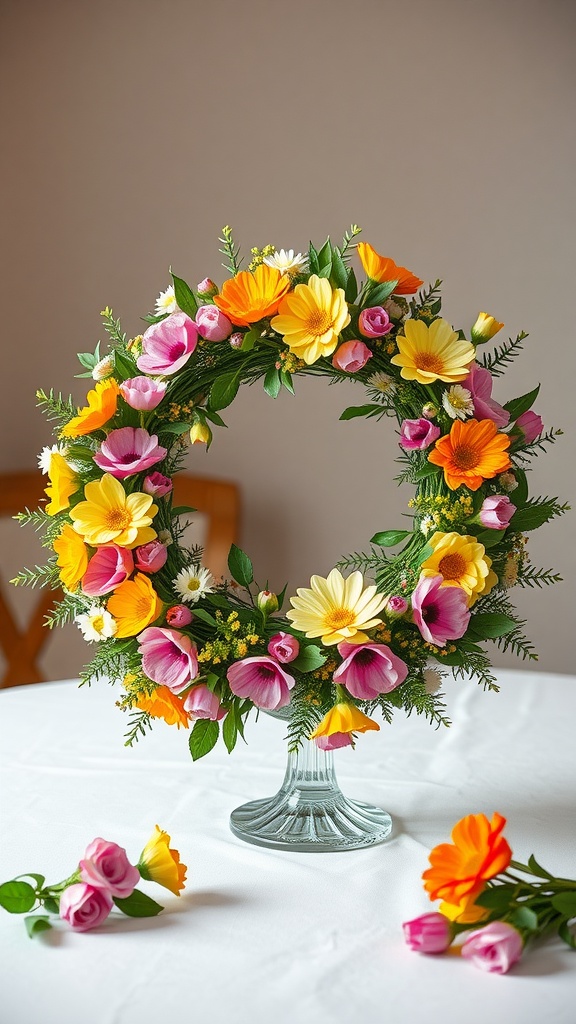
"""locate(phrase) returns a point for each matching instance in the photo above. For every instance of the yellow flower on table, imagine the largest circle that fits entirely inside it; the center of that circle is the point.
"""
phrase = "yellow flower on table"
(72, 556)
(435, 352)
(311, 318)
(336, 609)
(471, 453)
(346, 718)
(63, 484)
(462, 562)
(382, 268)
(249, 297)
(158, 863)
(102, 403)
(134, 605)
(110, 516)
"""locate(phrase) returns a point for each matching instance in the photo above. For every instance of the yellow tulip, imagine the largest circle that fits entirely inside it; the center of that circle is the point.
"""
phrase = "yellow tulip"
(158, 863)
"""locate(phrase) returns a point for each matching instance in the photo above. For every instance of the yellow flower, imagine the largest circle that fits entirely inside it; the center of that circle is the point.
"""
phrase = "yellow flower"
(102, 402)
(462, 562)
(311, 318)
(158, 863)
(382, 268)
(485, 328)
(72, 556)
(163, 704)
(336, 609)
(248, 298)
(344, 718)
(435, 352)
(110, 516)
(200, 433)
(134, 605)
(63, 483)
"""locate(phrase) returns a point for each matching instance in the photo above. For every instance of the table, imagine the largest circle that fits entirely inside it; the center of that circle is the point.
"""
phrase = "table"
(262, 935)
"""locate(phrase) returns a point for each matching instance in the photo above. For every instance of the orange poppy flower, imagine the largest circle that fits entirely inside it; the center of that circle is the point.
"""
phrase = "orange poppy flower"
(459, 870)
(472, 452)
(248, 298)
(102, 402)
(382, 268)
(163, 704)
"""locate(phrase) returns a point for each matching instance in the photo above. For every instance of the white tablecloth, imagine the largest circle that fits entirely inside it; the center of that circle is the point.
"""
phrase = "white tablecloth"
(262, 935)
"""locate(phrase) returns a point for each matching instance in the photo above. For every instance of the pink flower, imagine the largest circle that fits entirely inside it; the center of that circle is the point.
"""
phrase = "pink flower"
(129, 450)
(157, 485)
(495, 948)
(106, 866)
(143, 393)
(418, 433)
(84, 907)
(107, 569)
(168, 657)
(284, 647)
(395, 606)
(207, 287)
(151, 557)
(334, 741)
(429, 933)
(369, 669)
(374, 322)
(496, 512)
(202, 703)
(441, 613)
(168, 345)
(179, 615)
(262, 680)
(236, 339)
(351, 356)
(212, 323)
(531, 425)
(479, 384)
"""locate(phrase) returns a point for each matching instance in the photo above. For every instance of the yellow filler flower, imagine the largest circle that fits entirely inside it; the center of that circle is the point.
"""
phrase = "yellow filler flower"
(110, 516)
(134, 605)
(462, 562)
(72, 556)
(311, 318)
(336, 609)
(248, 298)
(102, 402)
(346, 718)
(158, 863)
(435, 352)
(63, 484)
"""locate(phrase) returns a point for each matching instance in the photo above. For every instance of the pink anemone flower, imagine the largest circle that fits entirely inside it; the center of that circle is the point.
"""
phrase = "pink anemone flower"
(479, 384)
(168, 345)
(369, 669)
(129, 450)
(107, 569)
(262, 680)
(200, 702)
(168, 657)
(441, 613)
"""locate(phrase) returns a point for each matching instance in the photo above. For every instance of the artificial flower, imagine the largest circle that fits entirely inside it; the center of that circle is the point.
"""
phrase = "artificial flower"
(286, 262)
(429, 933)
(162, 703)
(158, 863)
(374, 322)
(495, 948)
(461, 562)
(134, 605)
(415, 435)
(109, 566)
(168, 657)
(485, 328)
(284, 647)
(479, 383)
(166, 302)
(496, 512)
(382, 268)
(471, 453)
(102, 404)
(531, 426)
(191, 584)
(336, 609)
(249, 297)
(104, 368)
(351, 356)
(143, 393)
(457, 402)
(262, 680)
(346, 719)
(109, 515)
(157, 485)
(311, 318)
(200, 702)
(440, 612)
(168, 345)
(96, 624)
(435, 352)
(459, 870)
(105, 865)
(151, 557)
(72, 557)
(84, 907)
(212, 323)
(368, 670)
(63, 484)
(128, 451)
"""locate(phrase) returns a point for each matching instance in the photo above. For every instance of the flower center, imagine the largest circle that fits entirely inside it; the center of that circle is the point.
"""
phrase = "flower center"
(452, 567)
(118, 518)
(466, 456)
(429, 361)
(337, 618)
(126, 460)
(193, 585)
(318, 322)
(98, 623)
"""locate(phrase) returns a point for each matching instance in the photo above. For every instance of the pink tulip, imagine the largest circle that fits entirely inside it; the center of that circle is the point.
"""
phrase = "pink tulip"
(151, 557)
(418, 434)
(143, 393)
(429, 933)
(334, 741)
(495, 948)
(374, 322)
(441, 613)
(369, 669)
(84, 907)
(200, 702)
(179, 615)
(496, 512)
(284, 647)
(157, 485)
(129, 450)
(262, 680)
(107, 569)
(168, 345)
(351, 356)
(212, 323)
(106, 866)
(168, 657)
(479, 384)
(531, 425)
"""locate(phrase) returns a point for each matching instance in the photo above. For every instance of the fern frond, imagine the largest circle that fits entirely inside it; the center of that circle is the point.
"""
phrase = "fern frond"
(531, 576)
(230, 251)
(40, 576)
(497, 361)
(55, 407)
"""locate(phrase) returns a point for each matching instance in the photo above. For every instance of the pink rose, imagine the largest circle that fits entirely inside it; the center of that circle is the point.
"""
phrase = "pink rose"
(351, 356)
(143, 393)
(84, 907)
(157, 485)
(151, 557)
(202, 703)
(418, 434)
(262, 680)
(496, 512)
(531, 425)
(106, 866)
(495, 948)
(284, 647)
(168, 345)
(374, 322)
(429, 933)
(212, 323)
(179, 615)
(109, 566)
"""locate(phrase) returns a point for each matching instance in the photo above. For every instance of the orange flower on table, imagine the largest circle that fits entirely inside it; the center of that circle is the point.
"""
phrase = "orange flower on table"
(311, 318)
(248, 298)
(102, 403)
(110, 516)
(134, 605)
(459, 870)
(473, 451)
(162, 703)
(72, 556)
(434, 352)
(158, 863)
(63, 484)
(382, 268)
(344, 718)
(462, 562)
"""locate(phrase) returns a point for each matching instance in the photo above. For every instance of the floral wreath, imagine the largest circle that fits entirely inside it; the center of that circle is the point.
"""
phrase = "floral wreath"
(203, 653)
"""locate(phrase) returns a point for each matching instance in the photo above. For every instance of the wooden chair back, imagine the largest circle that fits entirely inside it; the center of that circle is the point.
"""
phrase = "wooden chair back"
(219, 501)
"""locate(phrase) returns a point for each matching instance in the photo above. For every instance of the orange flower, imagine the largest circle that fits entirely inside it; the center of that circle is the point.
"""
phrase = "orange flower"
(134, 605)
(247, 298)
(382, 268)
(158, 863)
(460, 870)
(163, 704)
(472, 452)
(102, 402)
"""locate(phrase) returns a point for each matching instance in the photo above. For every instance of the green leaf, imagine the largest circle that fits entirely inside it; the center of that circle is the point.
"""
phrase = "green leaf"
(566, 935)
(138, 904)
(218, 601)
(39, 879)
(351, 290)
(309, 659)
(425, 553)
(489, 538)
(519, 495)
(250, 339)
(229, 732)
(286, 380)
(519, 405)
(204, 616)
(87, 359)
(379, 293)
(272, 382)
(353, 411)
(17, 897)
(36, 924)
(426, 471)
(203, 737)
(51, 905)
(224, 390)
(565, 903)
(240, 566)
(184, 296)
(489, 625)
(174, 428)
(124, 367)
(325, 271)
(313, 263)
(537, 868)
(325, 255)
(497, 897)
(532, 516)
(214, 417)
(389, 538)
(339, 275)
(526, 918)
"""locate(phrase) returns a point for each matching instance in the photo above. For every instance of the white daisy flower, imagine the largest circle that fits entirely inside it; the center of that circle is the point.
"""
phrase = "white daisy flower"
(426, 525)
(96, 624)
(45, 456)
(432, 680)
(166, 301)
(103, 369)
(191, 584)
(458, 402)
(382, 382)
(286, 262)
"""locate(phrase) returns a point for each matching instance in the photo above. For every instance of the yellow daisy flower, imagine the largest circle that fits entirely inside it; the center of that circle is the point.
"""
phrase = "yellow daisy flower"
(63, 483)
(435, 352)
(158, 863)
(344, 718)
(110, 516)
(311, 318)
(72, 556)
(102, 402)
(462, 562)
(336, 609)
(134, 605)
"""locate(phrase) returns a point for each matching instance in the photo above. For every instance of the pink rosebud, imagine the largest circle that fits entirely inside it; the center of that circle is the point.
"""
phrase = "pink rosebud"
(531, 425)
(202, 703)
(179, 615)
(374, 322)
(169, 658)
(107, 569)
(496, 512)
(441, 613)
(284, 647)
(143, 393)
(429, 933)
(334, 741)
(236, 339)
(128, 451)
(395, 606)
(212, 323)
(369, 669)
(168, 345)
(84, 907)
(207, 287)
(495, 948)
(106, 866)
(351, 356)
(418, 434)
(151, 557)
(157, 485)
(479, 384)
(262, 680)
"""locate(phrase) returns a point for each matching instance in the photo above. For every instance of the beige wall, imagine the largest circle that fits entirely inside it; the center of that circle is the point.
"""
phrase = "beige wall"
(137, 129)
